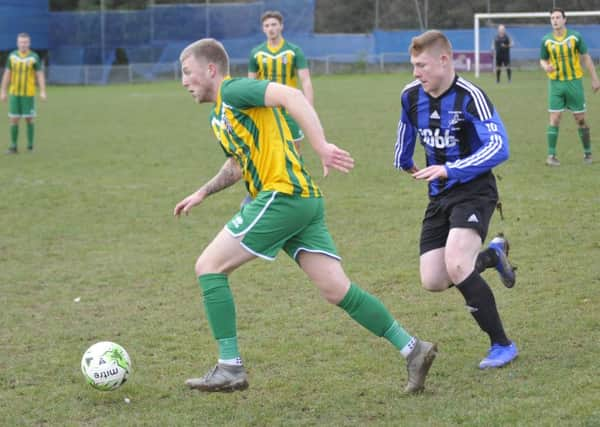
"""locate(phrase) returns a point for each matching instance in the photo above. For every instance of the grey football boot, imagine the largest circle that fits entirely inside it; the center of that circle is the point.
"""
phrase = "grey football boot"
(222, 377)
(417, 365)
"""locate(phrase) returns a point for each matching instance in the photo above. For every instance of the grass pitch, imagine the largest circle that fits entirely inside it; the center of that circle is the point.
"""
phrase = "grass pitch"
(89, 251)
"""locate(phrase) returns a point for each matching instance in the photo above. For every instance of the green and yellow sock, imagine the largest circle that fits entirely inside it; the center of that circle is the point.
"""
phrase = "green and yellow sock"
(552, 139)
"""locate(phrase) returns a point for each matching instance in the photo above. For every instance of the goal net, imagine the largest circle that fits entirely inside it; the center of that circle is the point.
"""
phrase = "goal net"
(503, 18)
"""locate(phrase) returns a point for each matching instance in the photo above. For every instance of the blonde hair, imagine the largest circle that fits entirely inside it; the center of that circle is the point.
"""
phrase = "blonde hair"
(430, 40)
(210, 50)
(23, 36)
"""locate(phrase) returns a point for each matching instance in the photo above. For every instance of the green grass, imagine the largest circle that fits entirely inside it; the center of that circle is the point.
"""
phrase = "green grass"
(88, 215)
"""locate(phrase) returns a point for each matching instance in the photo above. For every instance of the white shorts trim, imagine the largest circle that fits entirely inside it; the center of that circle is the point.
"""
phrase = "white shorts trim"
(314, 251)
(268, 258)
(259, 216)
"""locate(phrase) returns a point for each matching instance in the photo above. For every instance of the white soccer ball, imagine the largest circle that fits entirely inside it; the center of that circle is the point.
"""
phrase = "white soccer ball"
(106, 365)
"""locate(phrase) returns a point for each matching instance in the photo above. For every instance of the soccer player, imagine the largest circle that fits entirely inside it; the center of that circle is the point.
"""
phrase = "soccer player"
(287, 211)
(282, 62)
(561, 55)
(502, 45)
(22, 68)
(464, 139)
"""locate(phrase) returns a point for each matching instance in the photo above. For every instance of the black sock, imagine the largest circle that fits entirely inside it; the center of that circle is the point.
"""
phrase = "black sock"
(486, 259)
(509, 73)
(480, 301)
(498, 76)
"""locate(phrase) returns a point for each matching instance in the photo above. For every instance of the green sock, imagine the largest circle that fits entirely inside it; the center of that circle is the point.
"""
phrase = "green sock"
(220, 311)
(14, 135)
(552, 138)
(584, 137)
(30, 134)
(370, 312)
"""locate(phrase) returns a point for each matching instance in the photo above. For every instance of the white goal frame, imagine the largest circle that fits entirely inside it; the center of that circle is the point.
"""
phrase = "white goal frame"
(478, 16)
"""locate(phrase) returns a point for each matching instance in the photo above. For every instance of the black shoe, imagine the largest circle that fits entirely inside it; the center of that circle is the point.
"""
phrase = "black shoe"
(12, 150)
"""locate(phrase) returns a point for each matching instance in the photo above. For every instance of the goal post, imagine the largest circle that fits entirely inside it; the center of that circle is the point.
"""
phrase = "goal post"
(514, 15)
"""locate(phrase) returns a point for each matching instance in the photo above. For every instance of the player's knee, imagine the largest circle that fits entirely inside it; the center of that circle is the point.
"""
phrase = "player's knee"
(203, 266)
(458, 270)
(434, 283)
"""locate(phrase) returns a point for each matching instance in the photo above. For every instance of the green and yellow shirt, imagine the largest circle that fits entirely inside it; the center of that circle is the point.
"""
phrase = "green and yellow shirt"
(279, 64)
(259, 138)
(563, 53)
(23, 67)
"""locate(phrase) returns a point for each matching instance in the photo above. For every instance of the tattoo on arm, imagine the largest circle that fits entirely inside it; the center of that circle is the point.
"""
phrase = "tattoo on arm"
(229, 174)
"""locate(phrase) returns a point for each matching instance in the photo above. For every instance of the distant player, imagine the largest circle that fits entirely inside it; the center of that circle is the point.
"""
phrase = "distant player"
(282, 62)
(561, 55)
(464, 138)
(287, 212)
(502, 45)
(23, 67)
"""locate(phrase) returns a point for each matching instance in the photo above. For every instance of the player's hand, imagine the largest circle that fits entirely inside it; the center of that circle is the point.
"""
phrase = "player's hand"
(412, 170)
(188, 203)
(549, 68)
(431, 172)
(595, 85)
(3, 97)
(334, 157)
(43, 96)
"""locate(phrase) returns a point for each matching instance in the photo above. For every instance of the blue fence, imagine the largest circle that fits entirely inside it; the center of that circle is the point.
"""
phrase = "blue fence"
(24, 16)
(157, 34)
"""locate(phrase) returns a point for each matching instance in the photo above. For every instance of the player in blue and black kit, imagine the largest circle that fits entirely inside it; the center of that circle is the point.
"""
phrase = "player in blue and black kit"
(464, 139)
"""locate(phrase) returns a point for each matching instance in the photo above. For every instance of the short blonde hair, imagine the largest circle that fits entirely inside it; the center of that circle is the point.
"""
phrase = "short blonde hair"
(23, 36)
(210, 50)
(432, 39)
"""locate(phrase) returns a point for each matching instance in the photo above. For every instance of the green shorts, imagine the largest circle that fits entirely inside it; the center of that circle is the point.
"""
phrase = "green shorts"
(21, 106)
(568, 94)
(297, 134)
(273, 221)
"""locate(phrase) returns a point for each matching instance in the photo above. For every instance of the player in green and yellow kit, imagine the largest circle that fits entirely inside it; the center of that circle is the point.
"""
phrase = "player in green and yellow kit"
(287, 213)
(22, 68)
(282, 62)
(561, 55)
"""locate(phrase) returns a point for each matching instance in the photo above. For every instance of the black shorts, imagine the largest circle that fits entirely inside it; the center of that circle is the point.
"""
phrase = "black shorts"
(468, 205)
(502, 60)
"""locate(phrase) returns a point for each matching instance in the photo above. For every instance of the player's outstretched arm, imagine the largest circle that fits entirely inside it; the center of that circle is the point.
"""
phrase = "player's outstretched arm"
(297, 105)
(229, 174)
